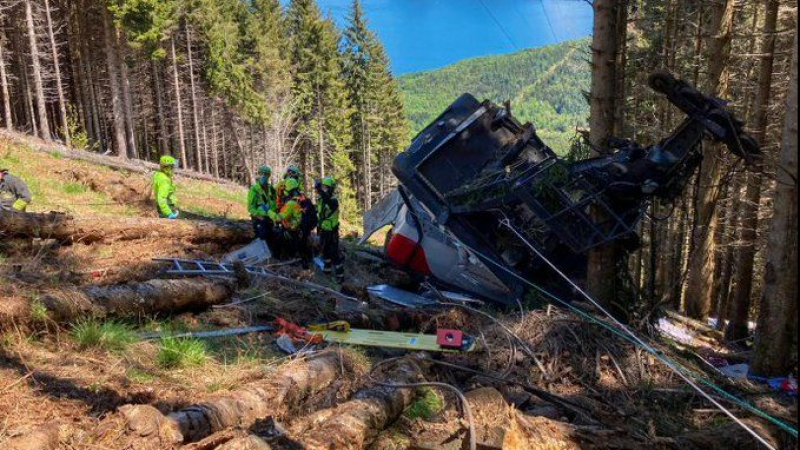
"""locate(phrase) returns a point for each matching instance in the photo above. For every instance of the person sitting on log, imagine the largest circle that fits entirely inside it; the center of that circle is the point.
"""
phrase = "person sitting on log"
(328, 225)
(260, 201)
(164, 188)
(290, 217)
(14, 193)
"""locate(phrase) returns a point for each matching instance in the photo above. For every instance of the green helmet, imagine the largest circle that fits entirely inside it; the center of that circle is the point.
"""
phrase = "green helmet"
(168, 161)
(265, 170)
(292, 172)
(290, 185)
(330, 182)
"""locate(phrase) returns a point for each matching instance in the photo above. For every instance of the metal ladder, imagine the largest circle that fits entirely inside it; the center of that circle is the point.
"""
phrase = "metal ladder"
(189, 267)
(198, 267)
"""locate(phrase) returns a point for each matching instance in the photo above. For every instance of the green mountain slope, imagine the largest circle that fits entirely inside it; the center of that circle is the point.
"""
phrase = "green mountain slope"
(546, 86)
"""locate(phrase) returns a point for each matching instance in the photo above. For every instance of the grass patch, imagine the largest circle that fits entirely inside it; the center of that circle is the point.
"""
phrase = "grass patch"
(167, 326)
(39, 311)
(203, 212)
(176, 353)
(74, 188)
(428, 404)
(111, 335)
(237, 196)
(140, 376)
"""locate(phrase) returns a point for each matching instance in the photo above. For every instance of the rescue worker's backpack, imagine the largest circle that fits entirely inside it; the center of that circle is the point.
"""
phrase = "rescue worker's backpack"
(309, 220)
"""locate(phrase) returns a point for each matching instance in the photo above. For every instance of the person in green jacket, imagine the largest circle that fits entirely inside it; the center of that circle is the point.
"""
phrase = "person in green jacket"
(290, 218)
(328, 227)
(164, 188)
(14, 193)
(260, 201)
(292, 172)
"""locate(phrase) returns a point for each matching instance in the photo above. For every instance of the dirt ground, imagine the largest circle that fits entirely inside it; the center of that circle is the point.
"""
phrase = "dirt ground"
(540, 378)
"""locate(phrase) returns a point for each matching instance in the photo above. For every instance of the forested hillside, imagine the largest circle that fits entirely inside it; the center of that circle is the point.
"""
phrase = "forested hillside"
(546, 86)
(224, 85)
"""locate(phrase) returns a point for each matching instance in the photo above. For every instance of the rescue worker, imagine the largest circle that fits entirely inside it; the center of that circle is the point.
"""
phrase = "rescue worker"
(260, 201)
(292, 172)
(328, 226)
(164, 188)
(14, 193)
(290, 217)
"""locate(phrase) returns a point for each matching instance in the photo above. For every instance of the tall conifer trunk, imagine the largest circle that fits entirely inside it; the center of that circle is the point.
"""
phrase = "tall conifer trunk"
(62, 102)
(195, 117)
(112, 63)
(737, 329)
(601, 277)
(776, 332)
(699, 292)
(36, 67)
(178, 103)
(9, 122)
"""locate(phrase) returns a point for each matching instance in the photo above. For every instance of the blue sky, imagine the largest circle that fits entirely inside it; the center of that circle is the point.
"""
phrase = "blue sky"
(423, 35)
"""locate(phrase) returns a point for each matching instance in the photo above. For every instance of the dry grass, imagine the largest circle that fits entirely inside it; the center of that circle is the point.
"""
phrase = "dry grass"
(54, 186)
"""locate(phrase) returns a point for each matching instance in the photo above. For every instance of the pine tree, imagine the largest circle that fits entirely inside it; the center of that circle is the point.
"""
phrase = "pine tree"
(776, 332)
(264, 42)
(322, 108)
(358, 43)
(378, 123)
(605, 95)
(388, 117)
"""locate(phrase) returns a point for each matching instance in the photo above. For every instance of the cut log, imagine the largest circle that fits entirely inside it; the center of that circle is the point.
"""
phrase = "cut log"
(274, 396)
(352, 425)
(150, 297)
(91, 230)
(356, 423)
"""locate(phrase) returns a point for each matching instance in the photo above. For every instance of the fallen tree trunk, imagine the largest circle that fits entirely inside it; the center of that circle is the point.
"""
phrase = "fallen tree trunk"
(356, 423)
(352, 425)
(91, 230)
(274, 396)
(150, 297)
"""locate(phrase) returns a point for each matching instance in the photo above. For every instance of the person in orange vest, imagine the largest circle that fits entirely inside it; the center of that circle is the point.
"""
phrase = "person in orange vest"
(290, 217)
(292, 172)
